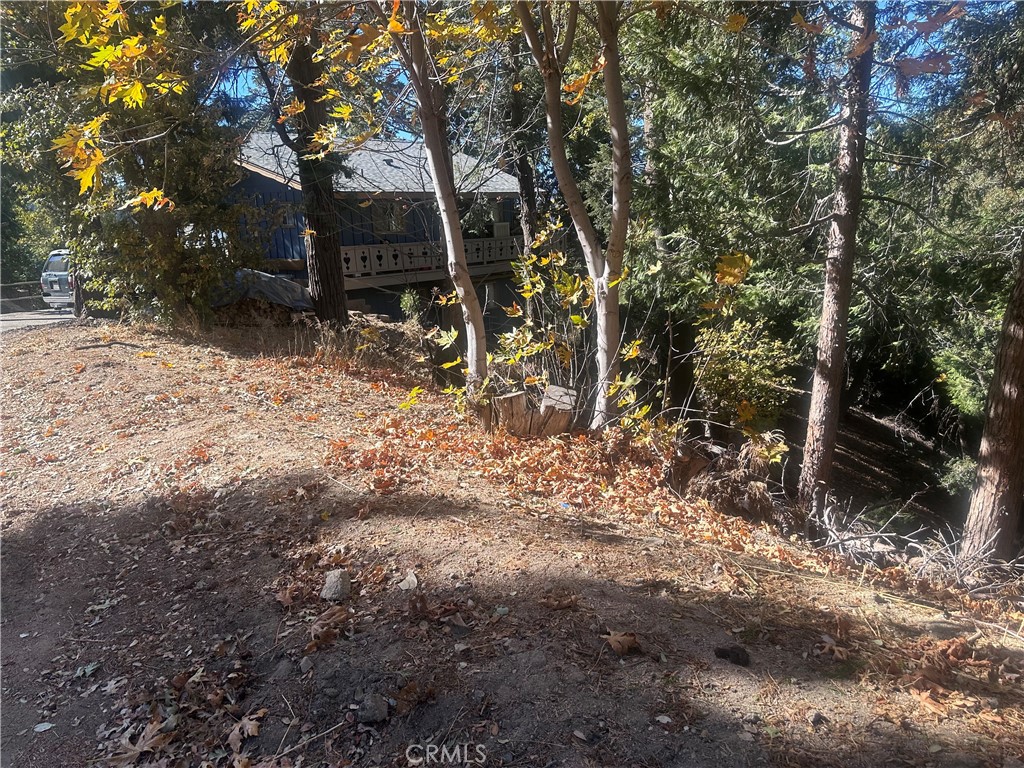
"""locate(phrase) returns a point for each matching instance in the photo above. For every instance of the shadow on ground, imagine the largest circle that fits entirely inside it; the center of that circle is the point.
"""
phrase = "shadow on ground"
(194, 609)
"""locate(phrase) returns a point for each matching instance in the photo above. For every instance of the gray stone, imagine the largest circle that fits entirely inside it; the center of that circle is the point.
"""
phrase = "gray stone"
(284, 670)
(338, 586)
(373, 709)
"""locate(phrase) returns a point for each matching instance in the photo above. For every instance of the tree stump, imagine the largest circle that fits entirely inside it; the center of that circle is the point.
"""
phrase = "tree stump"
(516, 416)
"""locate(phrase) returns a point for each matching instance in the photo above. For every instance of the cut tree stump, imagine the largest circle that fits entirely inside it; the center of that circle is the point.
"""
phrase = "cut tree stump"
(516, 416)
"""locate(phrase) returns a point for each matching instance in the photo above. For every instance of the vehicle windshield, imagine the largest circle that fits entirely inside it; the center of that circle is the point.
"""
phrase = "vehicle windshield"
(57, 262)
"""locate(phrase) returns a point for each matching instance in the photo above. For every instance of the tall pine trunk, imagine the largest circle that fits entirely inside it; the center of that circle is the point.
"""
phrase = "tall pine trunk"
(316, 178)
(823, 418)
(994, 518)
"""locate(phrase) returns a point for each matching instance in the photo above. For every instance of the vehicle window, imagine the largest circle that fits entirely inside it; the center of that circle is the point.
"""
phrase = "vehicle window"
(56, 263)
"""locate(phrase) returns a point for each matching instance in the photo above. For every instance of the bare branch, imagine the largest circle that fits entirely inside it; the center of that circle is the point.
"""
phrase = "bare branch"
(913, 209)
(569, 36)
(272, 91)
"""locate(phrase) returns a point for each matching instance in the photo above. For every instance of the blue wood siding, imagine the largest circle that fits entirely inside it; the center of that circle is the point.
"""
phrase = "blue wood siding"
(422, 222)
(280, 221)
(279, 218)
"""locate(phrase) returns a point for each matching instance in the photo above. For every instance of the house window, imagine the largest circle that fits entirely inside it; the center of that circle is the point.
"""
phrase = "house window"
(388, 218)
(501, 227)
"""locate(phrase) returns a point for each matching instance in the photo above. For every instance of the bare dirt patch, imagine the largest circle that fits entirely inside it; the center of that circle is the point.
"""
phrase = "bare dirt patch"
(173, 506)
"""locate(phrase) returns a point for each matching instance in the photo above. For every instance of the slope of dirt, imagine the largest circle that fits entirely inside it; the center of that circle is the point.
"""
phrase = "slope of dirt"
(173, 507)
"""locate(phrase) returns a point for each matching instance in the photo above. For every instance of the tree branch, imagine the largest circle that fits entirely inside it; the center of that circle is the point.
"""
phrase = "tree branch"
(569, 36)
(913, 209)
(275, 110)
(797, 135)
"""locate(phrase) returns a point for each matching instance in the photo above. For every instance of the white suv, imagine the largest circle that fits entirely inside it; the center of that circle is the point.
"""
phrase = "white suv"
(56, 281)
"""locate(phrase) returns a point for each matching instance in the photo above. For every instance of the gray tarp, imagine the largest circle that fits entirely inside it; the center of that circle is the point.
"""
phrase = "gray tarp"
(250, 284)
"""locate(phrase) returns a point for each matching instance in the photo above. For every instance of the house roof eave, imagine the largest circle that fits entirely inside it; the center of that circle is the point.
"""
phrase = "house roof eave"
(269, 174)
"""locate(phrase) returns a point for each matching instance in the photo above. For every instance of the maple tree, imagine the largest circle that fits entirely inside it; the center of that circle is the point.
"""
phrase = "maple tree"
(119, 148)
(551, 48)
(420, 60)
(129, 55)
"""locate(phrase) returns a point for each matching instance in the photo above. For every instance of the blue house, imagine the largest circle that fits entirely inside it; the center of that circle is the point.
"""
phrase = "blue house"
(390, 228)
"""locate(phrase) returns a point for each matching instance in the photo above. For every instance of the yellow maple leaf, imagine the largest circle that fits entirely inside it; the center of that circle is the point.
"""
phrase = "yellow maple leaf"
(735, 22)
(579, 85)
(294, 107)
(86, 177)
(746, 411)
(132, 47)
(133, 96)
(732, 269)
(154, 199)
(357, 42)
(101, 57)
(79, 21)
(394, 25)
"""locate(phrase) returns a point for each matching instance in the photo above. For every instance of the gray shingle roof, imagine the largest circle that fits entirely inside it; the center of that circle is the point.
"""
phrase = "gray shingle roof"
(382, 167)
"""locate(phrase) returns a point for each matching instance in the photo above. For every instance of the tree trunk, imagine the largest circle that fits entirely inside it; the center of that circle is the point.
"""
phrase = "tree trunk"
(431, 100)
(994, 518)
(679, 373)
(653, 175)
(522, 165)
(823, 418)
(603, 266)
(316, 177)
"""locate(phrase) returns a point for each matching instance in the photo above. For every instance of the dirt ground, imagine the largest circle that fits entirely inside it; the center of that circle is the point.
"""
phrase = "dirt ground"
(173, 506)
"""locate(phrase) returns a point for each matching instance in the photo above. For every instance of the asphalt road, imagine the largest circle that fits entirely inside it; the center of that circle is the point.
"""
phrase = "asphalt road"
(14, 320)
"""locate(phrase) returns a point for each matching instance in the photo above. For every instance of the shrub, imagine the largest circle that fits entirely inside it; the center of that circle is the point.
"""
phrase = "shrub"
(741, 377)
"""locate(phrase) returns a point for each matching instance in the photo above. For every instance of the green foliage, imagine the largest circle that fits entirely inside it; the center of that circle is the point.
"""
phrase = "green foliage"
(36, 197)
(742, 376)
(164, 261)
(959, 473)
(411, 304)
(548, 345)
(769, 447)
(158, 229)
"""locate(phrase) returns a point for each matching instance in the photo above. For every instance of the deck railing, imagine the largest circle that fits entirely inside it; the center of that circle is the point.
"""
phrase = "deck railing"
(415, 262)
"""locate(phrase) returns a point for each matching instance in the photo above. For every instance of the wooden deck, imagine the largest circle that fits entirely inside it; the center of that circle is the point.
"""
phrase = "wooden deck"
(380, 266)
